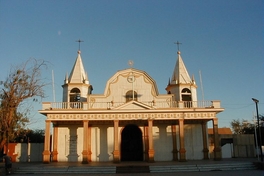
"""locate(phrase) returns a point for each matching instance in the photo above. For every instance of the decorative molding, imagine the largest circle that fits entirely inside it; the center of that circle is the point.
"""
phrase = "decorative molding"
(132, 116)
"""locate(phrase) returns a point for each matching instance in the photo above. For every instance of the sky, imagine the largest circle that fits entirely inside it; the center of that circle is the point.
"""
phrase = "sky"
(223, 40)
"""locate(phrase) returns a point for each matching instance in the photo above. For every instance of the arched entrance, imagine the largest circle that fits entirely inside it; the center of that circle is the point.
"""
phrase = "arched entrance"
(131, 144)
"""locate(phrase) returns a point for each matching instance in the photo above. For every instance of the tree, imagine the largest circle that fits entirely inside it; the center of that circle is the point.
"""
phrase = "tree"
(23, 82)
(245, 127)
(27, 135)
(36, 136)
(242, 127)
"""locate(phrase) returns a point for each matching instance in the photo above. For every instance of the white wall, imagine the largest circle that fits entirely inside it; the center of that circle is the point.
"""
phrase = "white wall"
(227, 150)
(102, 138)
(70, 143)
(29, 152)
(193, 141)
(162, 143)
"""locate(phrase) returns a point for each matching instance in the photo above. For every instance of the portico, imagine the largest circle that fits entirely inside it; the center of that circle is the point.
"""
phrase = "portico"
(173, 118)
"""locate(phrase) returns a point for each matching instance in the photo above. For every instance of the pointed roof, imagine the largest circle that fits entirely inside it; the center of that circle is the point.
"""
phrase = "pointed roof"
(78, 74)
(180, 74)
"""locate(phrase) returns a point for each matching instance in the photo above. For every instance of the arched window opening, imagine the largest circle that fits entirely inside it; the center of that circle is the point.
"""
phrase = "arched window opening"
(186, 97)
(75, 98)
(75, 95)
(129, 96)
(186, 91)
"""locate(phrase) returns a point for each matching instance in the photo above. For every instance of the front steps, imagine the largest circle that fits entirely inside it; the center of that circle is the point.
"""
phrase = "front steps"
(203, 167)
(66, 169)
(133, 168)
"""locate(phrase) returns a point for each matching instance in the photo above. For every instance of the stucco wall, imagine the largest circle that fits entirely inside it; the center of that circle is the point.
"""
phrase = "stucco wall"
(193, 142)
(162, 143)
(244, 145)
(26, 152)
(70, 142)
(102, 143)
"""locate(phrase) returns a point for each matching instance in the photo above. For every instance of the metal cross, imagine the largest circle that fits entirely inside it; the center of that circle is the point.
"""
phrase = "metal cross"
(178, 43)
(79, 43)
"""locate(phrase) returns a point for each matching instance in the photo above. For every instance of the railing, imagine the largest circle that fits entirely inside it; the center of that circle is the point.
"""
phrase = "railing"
(68, 105)
(112, 105)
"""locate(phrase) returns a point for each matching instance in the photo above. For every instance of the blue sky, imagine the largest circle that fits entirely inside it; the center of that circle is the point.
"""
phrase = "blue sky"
(222, 39)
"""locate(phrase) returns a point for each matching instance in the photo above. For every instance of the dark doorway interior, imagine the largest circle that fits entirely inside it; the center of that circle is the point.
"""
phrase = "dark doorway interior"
(131, 145)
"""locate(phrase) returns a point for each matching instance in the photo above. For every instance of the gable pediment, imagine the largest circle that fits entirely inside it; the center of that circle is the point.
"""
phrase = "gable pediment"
(134, 105)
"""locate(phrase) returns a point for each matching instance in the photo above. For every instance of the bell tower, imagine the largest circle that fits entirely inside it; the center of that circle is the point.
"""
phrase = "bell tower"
(76, 87)
(181, 85)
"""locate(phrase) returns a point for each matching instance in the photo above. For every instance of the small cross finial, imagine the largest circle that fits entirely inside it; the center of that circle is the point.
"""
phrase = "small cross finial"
(79, 43)
(178, 43)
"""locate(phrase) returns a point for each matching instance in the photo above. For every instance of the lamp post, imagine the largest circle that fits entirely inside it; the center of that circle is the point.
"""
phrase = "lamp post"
(260, 140)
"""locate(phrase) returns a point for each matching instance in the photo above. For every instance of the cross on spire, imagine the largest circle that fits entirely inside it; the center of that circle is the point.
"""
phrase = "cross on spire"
(178, 43)
(79, 43)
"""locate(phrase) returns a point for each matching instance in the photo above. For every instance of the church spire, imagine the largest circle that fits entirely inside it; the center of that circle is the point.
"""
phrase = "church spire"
(181, 85)
(180, 74)
(76, 86)
(78, 74)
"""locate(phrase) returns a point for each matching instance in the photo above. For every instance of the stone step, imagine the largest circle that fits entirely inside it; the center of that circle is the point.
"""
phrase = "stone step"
(173, 168)
(229, 166)
(133, 169)
(204, 167)
(61, 170)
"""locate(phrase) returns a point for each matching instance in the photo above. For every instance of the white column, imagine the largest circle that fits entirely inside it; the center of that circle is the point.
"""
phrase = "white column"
(116, 153)
(85, 142)
(182, 150)
(217, 148)
(150, 137)
(46, 152)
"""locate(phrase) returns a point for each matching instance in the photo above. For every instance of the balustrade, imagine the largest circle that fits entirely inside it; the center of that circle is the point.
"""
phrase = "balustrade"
(112, 105)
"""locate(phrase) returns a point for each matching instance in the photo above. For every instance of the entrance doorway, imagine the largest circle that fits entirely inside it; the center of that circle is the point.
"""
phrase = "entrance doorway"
(131, 144)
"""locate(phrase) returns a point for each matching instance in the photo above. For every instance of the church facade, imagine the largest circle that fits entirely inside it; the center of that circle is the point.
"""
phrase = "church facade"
(130, 121)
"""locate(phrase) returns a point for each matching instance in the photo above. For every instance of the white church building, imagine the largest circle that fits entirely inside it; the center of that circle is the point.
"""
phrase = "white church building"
(130, 120)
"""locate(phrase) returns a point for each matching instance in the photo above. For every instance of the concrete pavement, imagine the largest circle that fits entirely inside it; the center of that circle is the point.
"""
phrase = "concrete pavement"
(209, 173)
(156, 168)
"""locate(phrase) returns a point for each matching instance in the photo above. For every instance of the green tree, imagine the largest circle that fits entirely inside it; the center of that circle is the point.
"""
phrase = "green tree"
(242, 127)
(23, 82)
(27, 135)
(245, 127)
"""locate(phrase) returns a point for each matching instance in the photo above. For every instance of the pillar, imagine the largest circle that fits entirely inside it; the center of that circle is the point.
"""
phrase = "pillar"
(85, 142)
(46, 152)
(217, 148)
(174, 143)
(205, 140)
(116, 153)
(89, 144)
(182, 150)
(150, 137)
(146, 143)
(55, 143)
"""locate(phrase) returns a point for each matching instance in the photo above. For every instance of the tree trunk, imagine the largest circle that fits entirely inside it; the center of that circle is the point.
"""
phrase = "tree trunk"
(7, 142)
